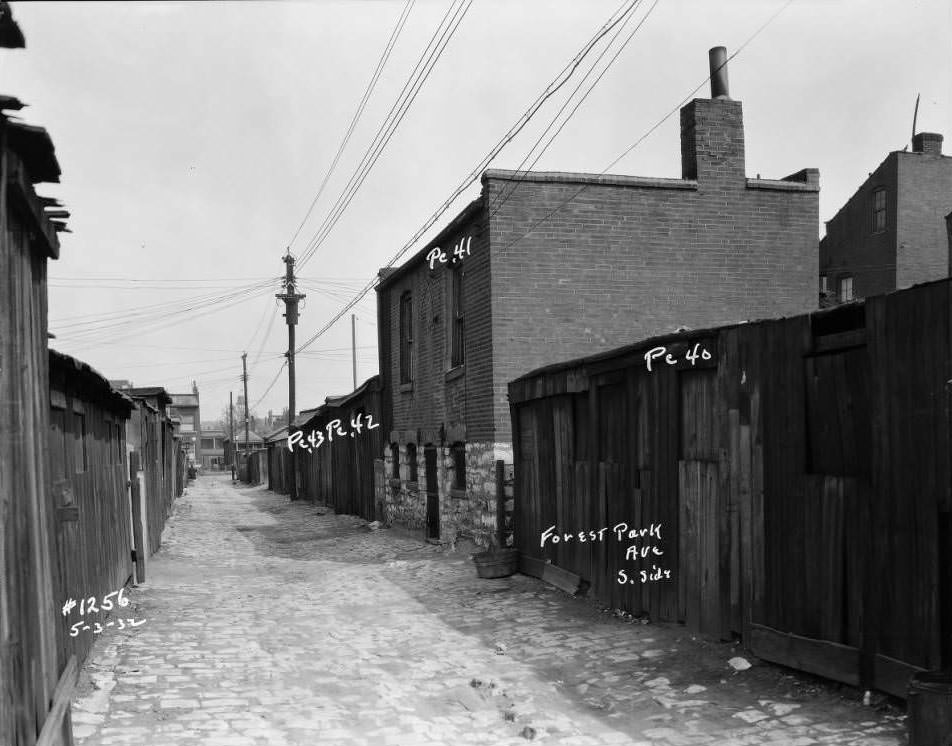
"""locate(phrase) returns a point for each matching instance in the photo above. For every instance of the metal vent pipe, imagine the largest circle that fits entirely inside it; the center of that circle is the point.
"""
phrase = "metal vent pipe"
(719, 86)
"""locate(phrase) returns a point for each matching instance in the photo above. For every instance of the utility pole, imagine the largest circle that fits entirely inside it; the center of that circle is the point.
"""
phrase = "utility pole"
(353, 344)
(231, 432)
(291, 298)
(244, 377)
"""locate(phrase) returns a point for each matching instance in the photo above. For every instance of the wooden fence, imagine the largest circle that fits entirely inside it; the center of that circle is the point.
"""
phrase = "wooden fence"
(340, 472)
(279, 462)
(797, 472)
(88, 470)
(156, 471)
(35, 681)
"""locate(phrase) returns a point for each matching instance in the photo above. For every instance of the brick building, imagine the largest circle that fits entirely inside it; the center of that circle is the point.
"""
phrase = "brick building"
(554, 265)
(186, 407)
(891, 233)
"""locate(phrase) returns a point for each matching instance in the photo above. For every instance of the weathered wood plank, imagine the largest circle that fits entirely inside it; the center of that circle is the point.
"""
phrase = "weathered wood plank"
(829, 659)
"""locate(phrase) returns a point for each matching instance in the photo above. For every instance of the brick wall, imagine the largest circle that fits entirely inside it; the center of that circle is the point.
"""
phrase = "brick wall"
(924, 199)
(850, 247)
(627, 258)
(438, 397)
(914, 247)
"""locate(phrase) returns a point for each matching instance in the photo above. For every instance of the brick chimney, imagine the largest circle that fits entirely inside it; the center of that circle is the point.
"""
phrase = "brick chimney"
(712, 132)
(927, 142)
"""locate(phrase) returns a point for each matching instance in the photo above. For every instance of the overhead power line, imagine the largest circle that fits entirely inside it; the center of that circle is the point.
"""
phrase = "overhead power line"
(381, 63)
(421, 72)
(372, 283)
(560, 79)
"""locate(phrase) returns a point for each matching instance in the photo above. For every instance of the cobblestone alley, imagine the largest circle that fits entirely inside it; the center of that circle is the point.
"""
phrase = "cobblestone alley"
(274, 623)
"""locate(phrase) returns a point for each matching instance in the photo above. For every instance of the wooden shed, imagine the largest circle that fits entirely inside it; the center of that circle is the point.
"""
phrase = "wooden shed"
(279, 460)
(156, 466)
(37, 680)
(89, 475)
(798, 475)
(340, 472)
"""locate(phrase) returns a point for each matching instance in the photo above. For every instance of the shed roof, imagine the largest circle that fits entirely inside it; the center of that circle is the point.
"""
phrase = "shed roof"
(184, 400)
(280, 434)
(253, 437)
(35, 148)
(90, 383)
(10, 35)
(148, 392)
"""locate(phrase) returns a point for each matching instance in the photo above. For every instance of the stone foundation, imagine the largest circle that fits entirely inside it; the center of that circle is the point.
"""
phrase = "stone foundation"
(470, 514)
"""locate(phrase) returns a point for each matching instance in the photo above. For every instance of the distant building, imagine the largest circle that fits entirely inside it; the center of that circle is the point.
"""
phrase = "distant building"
(186, 406)
(212, 446)
(892, 232)
(546, 266)
(253, 443)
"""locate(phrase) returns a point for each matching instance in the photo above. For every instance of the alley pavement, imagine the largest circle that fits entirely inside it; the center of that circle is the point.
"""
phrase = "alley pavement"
(271, 622)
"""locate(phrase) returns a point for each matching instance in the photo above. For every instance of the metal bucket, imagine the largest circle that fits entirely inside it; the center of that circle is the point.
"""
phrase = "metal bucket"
(929, 709)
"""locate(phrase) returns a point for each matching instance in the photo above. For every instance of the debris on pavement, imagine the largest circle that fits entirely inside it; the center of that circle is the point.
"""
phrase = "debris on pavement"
(739, 664)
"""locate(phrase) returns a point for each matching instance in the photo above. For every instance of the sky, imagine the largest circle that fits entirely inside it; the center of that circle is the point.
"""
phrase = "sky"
(194, 136)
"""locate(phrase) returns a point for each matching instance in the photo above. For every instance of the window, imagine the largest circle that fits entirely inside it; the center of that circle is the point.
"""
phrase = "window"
(824, 284)
(119, 444)
(395, 460)
(846, 289)
(208, 444)
(79, 442)
(411, 461)
(188, 423)
(458, 451)
(406, 338)
(457, 330)
(58, 442)
(879, 210)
